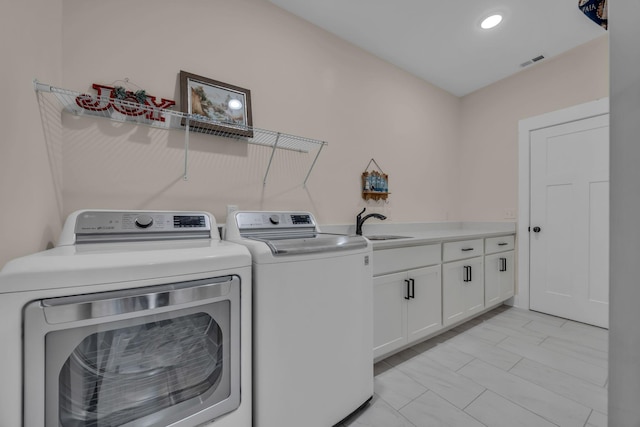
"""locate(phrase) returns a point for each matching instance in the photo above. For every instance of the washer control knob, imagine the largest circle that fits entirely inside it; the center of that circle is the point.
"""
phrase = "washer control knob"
(144, 221)
(274, 219)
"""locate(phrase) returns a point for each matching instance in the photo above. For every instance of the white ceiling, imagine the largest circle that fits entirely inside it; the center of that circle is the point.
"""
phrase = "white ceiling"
(441, 41)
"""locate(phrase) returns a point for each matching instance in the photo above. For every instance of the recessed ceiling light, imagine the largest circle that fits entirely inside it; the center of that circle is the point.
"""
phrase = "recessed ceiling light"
(491, 21)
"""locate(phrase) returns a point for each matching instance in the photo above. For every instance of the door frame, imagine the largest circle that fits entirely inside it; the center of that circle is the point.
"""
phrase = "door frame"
(525, 127)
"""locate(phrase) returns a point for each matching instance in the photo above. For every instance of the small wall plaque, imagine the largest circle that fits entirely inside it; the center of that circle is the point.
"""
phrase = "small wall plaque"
(375, 183)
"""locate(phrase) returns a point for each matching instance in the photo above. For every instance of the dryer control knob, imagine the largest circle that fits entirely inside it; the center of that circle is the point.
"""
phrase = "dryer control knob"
(274, 219)
(144, 221)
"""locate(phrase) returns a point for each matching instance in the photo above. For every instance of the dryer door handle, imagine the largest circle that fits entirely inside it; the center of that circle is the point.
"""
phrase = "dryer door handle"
(104, 304)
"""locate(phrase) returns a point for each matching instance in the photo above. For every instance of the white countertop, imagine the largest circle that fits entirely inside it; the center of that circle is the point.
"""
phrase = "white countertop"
(425, 233)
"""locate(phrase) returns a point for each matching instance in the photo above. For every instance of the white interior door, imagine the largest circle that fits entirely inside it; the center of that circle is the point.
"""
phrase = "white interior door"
(569, 219)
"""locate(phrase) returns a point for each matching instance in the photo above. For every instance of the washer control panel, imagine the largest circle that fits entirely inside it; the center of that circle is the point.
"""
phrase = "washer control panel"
(274, 220)
(98, 226)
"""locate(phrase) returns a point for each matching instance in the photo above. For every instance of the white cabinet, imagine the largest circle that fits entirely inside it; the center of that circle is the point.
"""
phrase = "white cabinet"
(421, 290)
(462, 289)
(407, 296)
(499, 263)
(462, 280)
(499, 278)
(389, 313)
(407, 307)
(424, 308)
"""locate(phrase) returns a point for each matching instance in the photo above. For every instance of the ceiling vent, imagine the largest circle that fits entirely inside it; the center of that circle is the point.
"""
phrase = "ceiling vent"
(532, 60)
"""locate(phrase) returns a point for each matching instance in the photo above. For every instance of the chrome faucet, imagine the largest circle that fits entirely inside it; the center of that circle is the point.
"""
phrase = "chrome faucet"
(360, 220)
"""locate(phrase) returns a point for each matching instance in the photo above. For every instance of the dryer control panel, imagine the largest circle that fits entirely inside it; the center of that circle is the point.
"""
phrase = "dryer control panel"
(113, 226)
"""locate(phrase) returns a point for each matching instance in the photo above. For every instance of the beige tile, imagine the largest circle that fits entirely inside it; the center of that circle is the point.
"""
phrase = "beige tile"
(514, 330)
(578, 350)
(583, 392)
(568, 335)
(430, 410)
(449, 385)
(553, 359)
(495, 411)
(491, 336)
(449, 356)
(482, 350)
(508, 321)
(597, 420)
(583, 329)
(518, 313)
(551, 406)
(432, 382)
(396, 388)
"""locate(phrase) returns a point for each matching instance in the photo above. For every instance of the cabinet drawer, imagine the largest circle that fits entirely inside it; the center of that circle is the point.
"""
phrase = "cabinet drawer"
(499, 244)
(462, 249)
(401, 259)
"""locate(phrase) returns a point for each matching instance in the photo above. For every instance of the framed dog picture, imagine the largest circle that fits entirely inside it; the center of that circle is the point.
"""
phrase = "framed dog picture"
(227, 105)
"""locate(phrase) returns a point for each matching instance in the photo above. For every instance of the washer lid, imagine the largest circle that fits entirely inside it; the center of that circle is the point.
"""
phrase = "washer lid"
(309, 243)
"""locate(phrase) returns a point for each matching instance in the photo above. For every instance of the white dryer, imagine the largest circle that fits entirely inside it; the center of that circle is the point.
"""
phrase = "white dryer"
(136, 318)
(312, 319)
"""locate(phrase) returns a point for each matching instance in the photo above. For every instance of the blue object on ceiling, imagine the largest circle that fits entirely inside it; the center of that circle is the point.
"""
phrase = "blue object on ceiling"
(596, 10)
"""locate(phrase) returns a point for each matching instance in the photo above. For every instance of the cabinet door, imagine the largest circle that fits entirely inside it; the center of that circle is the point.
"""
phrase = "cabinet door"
(389, 313)
(424, 309)
(492, 274)
(499, 277)
(462, 289)
(508, 277)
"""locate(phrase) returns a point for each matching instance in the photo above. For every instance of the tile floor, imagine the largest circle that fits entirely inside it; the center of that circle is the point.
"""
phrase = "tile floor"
(508, 367)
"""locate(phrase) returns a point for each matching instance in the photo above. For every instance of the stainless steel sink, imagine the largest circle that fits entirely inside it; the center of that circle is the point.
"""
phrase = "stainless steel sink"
(386, 237)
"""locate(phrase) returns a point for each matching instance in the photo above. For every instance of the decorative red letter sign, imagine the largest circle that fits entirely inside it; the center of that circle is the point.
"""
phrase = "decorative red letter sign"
(128, 105)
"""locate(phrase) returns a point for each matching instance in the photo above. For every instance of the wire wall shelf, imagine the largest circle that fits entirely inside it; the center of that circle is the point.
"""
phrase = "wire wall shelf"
(130, 111)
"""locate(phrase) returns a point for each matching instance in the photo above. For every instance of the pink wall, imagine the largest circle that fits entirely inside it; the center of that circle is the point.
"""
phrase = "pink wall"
(448, 158)
(490, 116)
(30, 47)
(303, 81)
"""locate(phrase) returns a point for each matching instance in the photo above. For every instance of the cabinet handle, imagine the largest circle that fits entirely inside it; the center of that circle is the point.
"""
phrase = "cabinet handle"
(502, 244)
(408, 295)
(413, 289)
(466, 249)
(503, 264)
(467, 273)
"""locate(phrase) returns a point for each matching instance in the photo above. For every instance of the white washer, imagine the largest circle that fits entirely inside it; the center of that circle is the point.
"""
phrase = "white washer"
(135, 318)
(312, 319)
